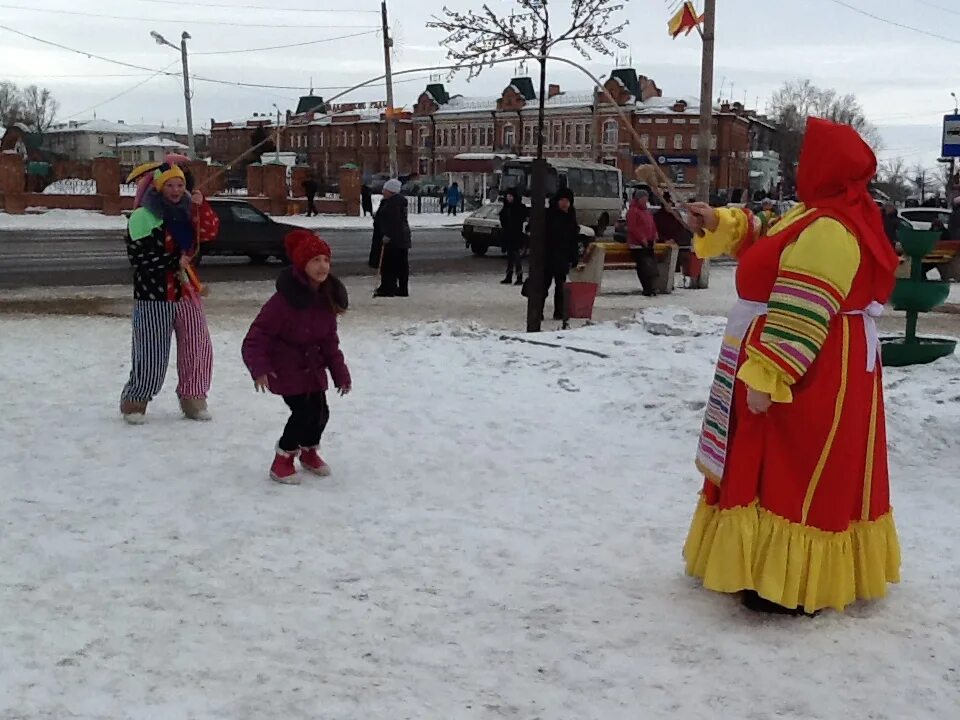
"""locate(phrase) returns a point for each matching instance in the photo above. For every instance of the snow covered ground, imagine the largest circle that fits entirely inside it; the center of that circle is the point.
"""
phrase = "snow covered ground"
(501, 537)
(43, 219)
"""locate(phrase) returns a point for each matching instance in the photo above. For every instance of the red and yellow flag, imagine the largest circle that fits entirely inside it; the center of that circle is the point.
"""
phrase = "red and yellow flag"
(686, 19)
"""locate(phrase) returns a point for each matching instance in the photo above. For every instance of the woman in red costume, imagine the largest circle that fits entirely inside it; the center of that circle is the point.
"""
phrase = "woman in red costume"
(795, 509)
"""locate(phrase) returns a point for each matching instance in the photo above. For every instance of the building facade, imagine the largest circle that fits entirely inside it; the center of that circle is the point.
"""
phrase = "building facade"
(151, 149)
(586, 125)
(323, 137)
(79, 140)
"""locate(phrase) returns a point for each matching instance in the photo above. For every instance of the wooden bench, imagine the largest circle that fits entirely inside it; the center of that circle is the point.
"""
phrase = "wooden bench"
(617, 257)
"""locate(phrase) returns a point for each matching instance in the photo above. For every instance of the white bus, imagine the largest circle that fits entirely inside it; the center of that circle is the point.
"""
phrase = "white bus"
(598, 188)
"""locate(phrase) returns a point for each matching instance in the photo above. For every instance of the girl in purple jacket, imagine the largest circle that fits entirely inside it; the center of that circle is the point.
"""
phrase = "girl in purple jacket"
(292, 345)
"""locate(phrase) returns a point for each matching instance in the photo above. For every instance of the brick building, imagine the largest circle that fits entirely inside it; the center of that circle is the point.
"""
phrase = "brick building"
(323, 137)
(585, 125)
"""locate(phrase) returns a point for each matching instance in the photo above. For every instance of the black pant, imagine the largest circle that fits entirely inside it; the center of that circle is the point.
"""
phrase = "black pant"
(559, 280)
(514, 259)
(311, 208)
(647, 271)
(451, 209)
(308, 419)
(395, 273)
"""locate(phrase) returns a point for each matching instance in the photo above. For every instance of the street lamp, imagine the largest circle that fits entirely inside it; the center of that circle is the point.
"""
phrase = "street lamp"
(161, 40)
(956, 111)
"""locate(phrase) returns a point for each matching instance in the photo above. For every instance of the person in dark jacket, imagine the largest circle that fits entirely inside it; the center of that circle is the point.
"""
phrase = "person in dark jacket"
(454, 198)
(291, 347)
(641, 239)
(891, 222)
(562, 250)
(391, 233)
(366, 200)
(310, 188)
(953, 227)
(513, 217)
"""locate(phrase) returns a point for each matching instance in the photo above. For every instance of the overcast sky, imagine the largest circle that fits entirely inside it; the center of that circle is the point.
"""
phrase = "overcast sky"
(902, 78)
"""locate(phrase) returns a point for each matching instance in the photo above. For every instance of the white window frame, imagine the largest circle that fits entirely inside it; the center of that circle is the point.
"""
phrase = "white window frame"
(611, 133)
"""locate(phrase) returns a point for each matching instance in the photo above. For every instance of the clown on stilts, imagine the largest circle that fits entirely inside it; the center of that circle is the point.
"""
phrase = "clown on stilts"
(164, 233)
(795, 510)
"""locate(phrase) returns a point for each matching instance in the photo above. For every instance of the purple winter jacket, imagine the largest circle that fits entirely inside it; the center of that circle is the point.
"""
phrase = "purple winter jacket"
(294, 339)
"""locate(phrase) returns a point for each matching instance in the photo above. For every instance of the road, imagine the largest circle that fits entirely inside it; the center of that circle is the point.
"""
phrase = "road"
(30, 258)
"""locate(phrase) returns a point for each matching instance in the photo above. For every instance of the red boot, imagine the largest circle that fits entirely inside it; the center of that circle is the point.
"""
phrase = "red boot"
(283, 470)
(312, 462)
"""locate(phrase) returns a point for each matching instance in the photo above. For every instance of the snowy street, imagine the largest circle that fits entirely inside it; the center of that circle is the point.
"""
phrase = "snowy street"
(501, 536)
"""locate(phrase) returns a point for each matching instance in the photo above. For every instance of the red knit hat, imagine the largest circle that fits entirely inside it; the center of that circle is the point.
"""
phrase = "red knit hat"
(303, 246)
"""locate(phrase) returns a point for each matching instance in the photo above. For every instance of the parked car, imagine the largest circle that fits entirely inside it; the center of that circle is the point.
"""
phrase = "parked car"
(481, 230)
(245, 230)
(922, 217)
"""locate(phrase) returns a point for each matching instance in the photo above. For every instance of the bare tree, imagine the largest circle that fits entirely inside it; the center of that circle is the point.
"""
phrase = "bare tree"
(893, 179)
(797, 100)
(39, 108)
(476, 40)
(922, 180)
(11, 104)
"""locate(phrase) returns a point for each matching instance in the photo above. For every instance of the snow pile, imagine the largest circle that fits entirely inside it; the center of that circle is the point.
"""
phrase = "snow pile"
(38, 218)
(71, 186)
(501, 538)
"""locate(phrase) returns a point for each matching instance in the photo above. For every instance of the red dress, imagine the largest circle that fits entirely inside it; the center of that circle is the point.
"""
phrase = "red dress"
(800, 512)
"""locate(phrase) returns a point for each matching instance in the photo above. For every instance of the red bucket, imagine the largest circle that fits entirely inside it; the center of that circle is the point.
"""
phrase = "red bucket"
(580, 298)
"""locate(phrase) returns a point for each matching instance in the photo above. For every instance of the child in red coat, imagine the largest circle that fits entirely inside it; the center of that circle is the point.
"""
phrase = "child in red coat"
(291, 347)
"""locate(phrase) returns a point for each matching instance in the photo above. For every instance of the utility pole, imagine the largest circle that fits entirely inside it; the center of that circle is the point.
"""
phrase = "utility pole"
(161, 40)
(536, 295)
(391, 124)
(276, 142)
(191, 141)
(705, 145)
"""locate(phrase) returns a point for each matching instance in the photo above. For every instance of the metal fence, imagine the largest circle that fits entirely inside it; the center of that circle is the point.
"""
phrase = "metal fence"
(426, 204)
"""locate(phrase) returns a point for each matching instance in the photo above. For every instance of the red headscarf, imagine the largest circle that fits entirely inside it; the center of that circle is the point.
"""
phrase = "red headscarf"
(836, 167)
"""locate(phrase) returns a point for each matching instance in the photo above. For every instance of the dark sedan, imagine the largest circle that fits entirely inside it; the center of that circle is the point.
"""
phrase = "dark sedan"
(246, 231)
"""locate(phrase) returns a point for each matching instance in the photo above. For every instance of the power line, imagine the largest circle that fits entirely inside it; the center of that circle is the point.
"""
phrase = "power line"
(148, 69)
(197, 78)
(261, 7)
(121, 94)
(938, 7)
(285, 47)
(900, 25)
(176, 21)
(62, 77)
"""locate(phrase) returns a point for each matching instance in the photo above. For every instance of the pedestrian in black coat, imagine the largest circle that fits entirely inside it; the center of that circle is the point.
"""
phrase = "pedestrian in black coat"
(561, 250)
(391, 233)
(513, 217)
(366, 200)
(310, 188)
(891, 222)
(953, 228)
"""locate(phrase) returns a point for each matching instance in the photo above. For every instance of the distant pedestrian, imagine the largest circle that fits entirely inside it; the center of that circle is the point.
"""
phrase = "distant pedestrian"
(891, 223)
(953, 227)
(513, 217)
(442, 196)
(310, 188)
(641, 238)
(391, 233)
(768, 215)
(291, 347)
(366, 200)
(454, 198)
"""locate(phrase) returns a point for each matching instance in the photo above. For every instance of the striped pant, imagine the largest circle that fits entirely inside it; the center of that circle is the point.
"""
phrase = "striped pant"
(154, 324)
